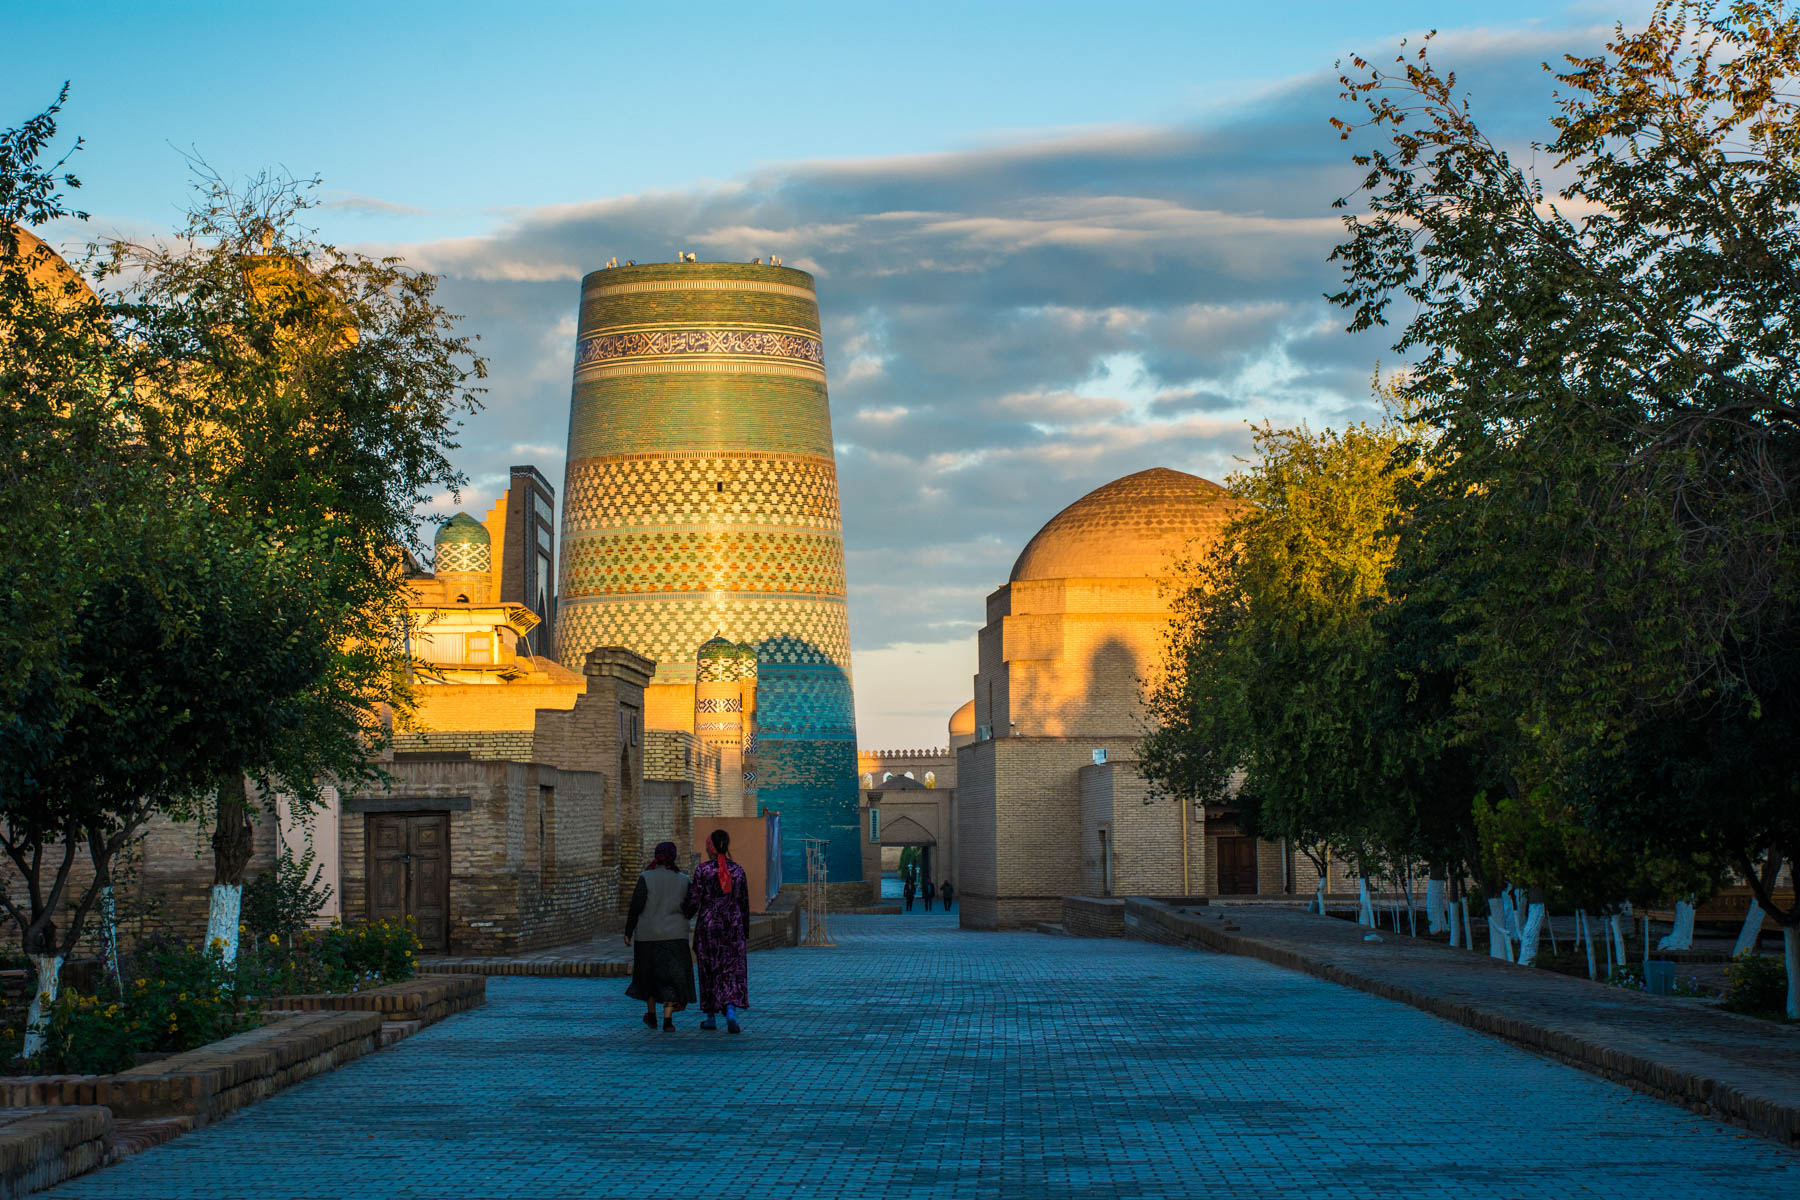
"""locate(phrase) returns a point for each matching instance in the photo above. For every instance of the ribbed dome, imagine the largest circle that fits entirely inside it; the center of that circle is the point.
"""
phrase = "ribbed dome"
(717, 647)
(962, 721)
(1133, 527)
(462, 529)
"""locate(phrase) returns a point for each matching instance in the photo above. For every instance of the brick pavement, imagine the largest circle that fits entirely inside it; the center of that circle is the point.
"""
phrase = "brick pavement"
(919, 1060)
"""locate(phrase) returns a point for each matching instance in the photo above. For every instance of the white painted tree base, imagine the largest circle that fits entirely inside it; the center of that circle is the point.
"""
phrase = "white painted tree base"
(1746, 939)
(1615, 928)
(1790, 946)
(222, 919)
(1435, 915)
(49, 976)
(1586, 933)
(1535, 917)
(1499, 941)
(1682, 936)
(1365, 912)
(1468, 932)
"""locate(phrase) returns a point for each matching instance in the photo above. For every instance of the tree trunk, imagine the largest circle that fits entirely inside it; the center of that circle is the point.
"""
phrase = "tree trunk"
(1615, 925)
(1499, 939)
(37, 1019)
(1751, 933)
(1436, 914)
(1468, 931)
(1682, 936)
(1587, 939)
(1535, 917)
(1365, 911)
(1319, 896)
(1790, 948)
(234, 842)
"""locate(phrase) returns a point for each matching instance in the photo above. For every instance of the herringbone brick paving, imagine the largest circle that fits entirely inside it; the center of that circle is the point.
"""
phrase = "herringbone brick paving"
(918, 1060)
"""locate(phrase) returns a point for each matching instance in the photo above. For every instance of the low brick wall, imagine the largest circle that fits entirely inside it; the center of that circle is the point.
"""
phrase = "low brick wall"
(41, 1147)
(426, 999)
(1093, 916)
(215, 1080)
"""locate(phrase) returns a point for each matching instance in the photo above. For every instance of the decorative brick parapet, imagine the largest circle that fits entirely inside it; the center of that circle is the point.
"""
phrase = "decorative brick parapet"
(1734, 1067)
(41, 1147)
(426, 999)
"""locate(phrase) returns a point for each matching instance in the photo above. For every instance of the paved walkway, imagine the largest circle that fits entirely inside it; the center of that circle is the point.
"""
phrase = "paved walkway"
(917, 1060)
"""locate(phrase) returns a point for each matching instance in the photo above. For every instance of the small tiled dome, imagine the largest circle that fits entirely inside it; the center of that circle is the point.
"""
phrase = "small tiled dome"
(463, 544)
(1133, 527)
(720, 658)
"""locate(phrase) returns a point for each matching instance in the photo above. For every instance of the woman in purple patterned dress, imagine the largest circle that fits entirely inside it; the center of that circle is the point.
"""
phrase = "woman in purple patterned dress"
(719, 898)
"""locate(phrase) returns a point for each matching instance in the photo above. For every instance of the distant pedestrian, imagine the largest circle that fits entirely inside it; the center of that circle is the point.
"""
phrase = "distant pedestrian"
(930, 893)
(719, 898)
(909, 891)
(662, 971)
(947, 891)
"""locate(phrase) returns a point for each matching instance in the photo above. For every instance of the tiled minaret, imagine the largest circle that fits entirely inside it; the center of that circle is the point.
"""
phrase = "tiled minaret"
(700, 501)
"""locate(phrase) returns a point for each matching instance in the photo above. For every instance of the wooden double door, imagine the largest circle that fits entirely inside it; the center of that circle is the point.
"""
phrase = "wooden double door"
(1237, 866)
(409, 873)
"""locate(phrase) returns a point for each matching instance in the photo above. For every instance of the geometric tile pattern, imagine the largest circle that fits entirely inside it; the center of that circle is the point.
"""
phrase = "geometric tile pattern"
(463, 556)
(655, 343)
(703, 505)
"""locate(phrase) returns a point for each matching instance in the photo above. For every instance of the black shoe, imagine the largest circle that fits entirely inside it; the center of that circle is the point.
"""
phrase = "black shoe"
(709, 1024)
(668, 1024)
(650, 1019)
(733, 1027)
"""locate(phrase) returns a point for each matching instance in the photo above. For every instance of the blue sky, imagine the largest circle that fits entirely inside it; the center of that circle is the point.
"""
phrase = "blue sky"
(1055, 243)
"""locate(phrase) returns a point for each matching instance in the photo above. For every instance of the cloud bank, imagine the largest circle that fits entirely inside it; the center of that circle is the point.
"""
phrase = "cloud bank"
(1005, 329)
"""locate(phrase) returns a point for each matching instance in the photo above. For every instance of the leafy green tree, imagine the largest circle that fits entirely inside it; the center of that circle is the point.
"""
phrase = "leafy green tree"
(313, 394)
(1269, 680)
(1610, 362)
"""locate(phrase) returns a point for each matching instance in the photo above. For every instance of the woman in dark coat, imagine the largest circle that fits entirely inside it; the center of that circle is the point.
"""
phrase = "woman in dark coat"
(661, 969)
(719, 898)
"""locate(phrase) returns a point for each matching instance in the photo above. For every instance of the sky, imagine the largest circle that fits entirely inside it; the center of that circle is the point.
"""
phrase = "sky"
(1054, 243)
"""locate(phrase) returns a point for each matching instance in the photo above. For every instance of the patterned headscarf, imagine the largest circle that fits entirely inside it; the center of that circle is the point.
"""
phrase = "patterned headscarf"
(721, 841)
(665, 857)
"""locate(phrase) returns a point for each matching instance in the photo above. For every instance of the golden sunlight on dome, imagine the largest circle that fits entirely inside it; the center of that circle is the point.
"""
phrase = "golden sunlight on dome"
(962, 721)
(1134, 527)
(48, 268)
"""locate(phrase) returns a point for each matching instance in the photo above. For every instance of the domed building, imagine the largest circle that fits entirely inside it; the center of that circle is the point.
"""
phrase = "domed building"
(1050, 801)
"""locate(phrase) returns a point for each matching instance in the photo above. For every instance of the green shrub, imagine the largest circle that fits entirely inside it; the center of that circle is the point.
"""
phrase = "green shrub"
(286, 898)
(179, 997)
(1757, 984)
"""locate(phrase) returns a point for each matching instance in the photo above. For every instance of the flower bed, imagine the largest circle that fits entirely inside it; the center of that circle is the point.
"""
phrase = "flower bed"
(178, 998)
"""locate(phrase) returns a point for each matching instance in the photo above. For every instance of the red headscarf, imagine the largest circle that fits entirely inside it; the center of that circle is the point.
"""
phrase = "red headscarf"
(718, 836)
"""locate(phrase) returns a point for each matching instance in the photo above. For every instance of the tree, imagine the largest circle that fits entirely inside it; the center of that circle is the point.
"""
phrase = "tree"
(1269, 677)
(1611, 367)
(313, 394)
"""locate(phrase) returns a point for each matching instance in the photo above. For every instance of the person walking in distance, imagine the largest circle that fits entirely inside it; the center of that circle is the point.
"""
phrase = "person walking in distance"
(930, 893)
(719, 899)
(661, 969)
(947, 891)
(909, 891)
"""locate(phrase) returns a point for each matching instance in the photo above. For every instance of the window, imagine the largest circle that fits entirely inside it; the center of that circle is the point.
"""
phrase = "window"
(478, 648)
(874, 824)
(931, 779)
(543, 508)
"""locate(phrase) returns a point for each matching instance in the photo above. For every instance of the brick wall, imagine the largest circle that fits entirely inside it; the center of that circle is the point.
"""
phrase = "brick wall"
(1093, 916)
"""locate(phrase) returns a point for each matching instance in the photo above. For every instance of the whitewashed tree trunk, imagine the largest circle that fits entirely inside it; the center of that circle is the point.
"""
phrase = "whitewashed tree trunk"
(1586, 933)
(1790, 947)
(1412, 919)
(1615, 927)
(1682, 936)
(1746, 939)
(109, 937)
(37, 1019)
(1528, 938)
(1499, 940)
(1435, 915)
(1365, 911)
(1515, 904)
(1319, 896)
(222, 919)
(1468, 932)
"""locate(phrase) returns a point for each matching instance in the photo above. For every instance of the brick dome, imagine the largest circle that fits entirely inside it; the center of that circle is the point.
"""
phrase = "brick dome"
(962, 721)
(1134, 527)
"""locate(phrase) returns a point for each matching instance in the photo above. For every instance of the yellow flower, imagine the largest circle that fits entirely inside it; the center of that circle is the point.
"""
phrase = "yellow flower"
(243, 929)
(274, 939)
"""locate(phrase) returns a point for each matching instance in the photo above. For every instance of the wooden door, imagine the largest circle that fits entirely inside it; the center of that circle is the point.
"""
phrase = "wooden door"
(409, 873)
(1237, 866)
